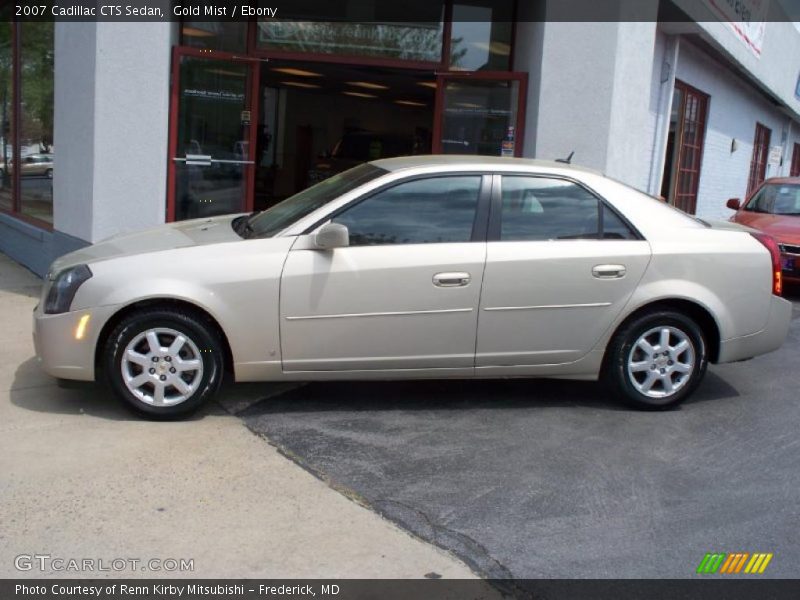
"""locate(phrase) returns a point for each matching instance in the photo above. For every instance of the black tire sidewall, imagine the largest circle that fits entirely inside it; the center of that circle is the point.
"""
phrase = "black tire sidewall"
(190, 326)
(623, 344)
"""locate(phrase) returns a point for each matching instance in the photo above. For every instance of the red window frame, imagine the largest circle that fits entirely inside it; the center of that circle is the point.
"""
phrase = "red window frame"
(255, 54)
(758, 163)
(692, 132)
(794, 171)
(441, 65)
(178, 52)
(15, 127)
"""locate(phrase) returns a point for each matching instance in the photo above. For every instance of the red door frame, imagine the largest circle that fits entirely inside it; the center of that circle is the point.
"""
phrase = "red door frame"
(522, 95)
(794, 170)
(254, 54)
(758, 162)
(688, 201)
(14, 137)
(251, 102)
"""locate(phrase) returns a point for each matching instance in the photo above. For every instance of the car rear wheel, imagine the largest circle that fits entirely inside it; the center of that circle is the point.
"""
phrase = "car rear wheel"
(657, 360)
(164, 363)
(49, 173)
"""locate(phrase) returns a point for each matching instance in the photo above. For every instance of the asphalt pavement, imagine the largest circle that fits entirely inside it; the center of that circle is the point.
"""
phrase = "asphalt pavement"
(554, 479)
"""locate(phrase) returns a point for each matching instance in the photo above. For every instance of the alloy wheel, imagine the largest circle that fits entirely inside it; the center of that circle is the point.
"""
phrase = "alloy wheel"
(162, 367)
(661, 362)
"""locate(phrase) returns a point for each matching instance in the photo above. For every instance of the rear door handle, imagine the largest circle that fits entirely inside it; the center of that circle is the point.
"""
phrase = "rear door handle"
(609, 271)
(451, 279)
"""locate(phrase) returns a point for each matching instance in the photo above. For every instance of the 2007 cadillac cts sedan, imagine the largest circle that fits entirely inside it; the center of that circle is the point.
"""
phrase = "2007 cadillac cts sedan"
(418, 267)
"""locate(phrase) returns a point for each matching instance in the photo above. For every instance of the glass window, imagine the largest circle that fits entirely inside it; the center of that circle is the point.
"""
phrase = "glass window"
(778, 199)
(304, 203)
(215, 35)
(367, 28)
(536, 208)
(425, 211)
(481, 35)
(212, 122)
(37, 147)
(6, 120)
(480, 117)
(614, 228)
(759, 202)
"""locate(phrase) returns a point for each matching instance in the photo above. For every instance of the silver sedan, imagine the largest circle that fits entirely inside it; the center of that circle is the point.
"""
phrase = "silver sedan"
(419, 267)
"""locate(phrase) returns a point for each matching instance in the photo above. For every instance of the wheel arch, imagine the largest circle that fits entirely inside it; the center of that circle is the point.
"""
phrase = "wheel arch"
(697, 312)
(161, 302)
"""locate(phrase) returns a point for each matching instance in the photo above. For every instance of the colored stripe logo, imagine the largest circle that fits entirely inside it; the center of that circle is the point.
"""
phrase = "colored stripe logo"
(734, 562)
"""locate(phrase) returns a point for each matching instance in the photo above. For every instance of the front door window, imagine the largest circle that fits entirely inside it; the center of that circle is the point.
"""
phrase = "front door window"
(425, 211)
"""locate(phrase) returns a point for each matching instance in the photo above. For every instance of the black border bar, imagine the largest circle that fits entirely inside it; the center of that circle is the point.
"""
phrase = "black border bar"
(732, 588)
(408, 11)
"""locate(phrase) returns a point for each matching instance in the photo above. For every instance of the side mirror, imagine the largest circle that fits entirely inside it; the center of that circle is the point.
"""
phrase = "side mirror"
(330, 236)
(734, 204)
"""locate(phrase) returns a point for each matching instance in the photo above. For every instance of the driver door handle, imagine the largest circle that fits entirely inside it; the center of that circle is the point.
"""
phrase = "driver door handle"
(451, 279)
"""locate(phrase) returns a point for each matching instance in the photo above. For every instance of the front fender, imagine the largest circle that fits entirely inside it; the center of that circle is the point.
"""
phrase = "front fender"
(239, 290)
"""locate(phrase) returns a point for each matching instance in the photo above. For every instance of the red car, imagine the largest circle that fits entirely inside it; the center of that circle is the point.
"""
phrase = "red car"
(774, 208)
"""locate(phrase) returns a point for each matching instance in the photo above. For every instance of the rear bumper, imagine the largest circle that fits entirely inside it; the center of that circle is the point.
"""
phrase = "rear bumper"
(59, 352)
(768, 339)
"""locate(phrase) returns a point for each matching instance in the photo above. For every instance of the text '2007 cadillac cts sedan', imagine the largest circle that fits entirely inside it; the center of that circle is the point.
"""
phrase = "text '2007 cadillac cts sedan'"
(419, 267)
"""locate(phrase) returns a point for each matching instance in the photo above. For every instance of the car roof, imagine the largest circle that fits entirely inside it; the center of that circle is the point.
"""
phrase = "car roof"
(470, 161)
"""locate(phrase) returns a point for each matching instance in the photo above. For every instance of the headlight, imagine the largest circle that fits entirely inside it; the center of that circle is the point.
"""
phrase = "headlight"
(63, 287)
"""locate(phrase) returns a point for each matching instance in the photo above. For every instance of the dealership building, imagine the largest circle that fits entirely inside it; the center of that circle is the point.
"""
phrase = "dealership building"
(120, 126)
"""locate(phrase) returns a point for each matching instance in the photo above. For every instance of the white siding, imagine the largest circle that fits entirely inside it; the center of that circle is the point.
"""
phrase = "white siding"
(111, 126)
(734, 108)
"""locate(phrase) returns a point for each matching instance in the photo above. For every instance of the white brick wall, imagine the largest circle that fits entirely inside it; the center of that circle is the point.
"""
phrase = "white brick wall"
(734, 109)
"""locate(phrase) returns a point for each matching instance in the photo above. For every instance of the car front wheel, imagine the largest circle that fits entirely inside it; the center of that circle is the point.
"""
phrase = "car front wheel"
(164, 363)
(657, 360)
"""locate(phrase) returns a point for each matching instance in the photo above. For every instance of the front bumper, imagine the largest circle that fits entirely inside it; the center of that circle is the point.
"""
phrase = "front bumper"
(791, 273)
(768, 339)
(59, 352)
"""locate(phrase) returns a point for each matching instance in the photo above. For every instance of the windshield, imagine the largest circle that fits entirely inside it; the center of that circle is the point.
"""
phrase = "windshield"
(280, 216)
(777, 199)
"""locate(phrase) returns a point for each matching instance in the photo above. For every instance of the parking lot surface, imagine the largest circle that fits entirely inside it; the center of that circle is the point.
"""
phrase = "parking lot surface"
(536, 478)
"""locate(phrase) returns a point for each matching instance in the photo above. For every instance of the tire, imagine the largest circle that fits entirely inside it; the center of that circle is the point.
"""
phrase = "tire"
(187, 374)
(643, 380)
(49, 173)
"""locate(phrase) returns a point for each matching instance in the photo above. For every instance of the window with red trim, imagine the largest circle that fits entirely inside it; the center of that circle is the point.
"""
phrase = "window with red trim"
(691, 129)
(26, 121)
(758, 164)
(795, 170)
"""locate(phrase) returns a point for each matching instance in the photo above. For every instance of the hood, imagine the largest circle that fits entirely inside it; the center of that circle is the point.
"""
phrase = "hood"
(784, 228)
(196, 232)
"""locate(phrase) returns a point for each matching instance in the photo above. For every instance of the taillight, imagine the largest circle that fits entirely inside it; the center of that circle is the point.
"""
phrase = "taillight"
(775, 252)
